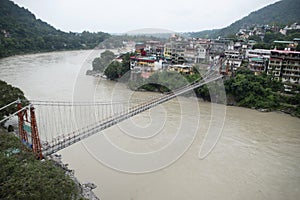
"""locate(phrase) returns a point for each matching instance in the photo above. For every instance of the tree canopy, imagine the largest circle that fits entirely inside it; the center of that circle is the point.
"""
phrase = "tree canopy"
(116, 69)
(102, 62)
(21, 32)
(22, 176)
(9, 94)
(281, 12)
(253, 91)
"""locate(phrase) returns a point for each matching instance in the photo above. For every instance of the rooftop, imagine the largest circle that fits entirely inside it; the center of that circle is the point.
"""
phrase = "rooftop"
(286, 51)
(283, 42)
(256, 59)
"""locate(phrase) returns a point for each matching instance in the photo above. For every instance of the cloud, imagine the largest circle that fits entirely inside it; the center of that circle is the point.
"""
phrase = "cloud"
(123, 16)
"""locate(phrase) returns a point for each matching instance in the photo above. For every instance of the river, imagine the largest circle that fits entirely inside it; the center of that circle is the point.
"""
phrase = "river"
(256, 157)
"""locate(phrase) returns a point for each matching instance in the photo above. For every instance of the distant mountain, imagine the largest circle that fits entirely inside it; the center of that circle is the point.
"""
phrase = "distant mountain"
(21, 32)
(282, 12)
(149, 31)
(155, 32)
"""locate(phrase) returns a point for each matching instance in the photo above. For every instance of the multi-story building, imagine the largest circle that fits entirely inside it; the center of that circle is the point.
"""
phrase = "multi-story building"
(175, 50)
(258, 53)
(258, 60)
(232, 61)
(284, 65)
(154, 47)
(257, 65)
(145, 66)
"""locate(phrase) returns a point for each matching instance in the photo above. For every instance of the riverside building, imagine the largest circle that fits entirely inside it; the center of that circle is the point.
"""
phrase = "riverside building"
(284, 65)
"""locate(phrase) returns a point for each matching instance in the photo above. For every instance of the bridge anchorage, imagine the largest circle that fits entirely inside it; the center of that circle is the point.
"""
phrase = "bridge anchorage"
(58, 127)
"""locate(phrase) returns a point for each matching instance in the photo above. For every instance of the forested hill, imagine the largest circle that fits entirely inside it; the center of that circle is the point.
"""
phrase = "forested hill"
(282, 12)
(21, 32)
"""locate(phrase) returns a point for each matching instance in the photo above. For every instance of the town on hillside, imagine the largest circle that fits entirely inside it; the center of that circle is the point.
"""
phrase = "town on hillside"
(183, 54)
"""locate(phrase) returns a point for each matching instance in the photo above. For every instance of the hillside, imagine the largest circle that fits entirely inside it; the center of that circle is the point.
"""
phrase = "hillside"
(282, 12)
(21, 32)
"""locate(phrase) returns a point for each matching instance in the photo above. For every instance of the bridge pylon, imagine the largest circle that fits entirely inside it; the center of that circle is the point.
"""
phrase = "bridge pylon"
(36, 142)
(22, 133)
(25, 129)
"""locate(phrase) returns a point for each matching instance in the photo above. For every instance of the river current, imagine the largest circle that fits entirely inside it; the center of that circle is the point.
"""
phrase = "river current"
(257, 155)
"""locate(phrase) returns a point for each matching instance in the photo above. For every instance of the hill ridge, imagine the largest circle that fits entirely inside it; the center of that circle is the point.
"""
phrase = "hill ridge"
(21, 32)
(281, 12)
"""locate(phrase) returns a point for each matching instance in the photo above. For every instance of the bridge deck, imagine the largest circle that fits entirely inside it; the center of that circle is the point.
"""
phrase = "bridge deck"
(64, 141)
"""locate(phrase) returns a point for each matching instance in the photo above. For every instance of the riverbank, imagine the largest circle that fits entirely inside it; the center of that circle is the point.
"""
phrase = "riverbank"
(86, 189)
(244, 89)
(24, 177)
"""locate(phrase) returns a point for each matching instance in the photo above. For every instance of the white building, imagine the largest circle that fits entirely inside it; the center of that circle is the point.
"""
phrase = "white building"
(258, 53)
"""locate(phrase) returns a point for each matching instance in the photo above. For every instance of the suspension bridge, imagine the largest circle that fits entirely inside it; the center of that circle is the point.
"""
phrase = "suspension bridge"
(49, 126)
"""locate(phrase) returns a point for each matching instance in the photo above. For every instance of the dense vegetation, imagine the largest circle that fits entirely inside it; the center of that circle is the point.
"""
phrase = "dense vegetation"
(117, 69)
(22, 176)
(164, 81)
(249, 90)
(281, 12)
(260, 92)
(100, 63)
(9, 94)
(244, 89)
(21, 32)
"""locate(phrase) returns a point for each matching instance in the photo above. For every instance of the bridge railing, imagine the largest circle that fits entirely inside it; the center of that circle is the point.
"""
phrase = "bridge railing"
(65, 140)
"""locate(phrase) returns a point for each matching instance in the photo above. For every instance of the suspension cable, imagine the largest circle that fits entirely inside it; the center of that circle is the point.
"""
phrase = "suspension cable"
(16, 101)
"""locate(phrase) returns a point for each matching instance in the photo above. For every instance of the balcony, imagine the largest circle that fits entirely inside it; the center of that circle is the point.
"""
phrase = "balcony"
(293, 81)
(285, 57)
(291, 75)
(291, 70)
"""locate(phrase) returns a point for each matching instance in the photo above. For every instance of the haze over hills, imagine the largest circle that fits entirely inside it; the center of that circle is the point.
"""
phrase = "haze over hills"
(282, 12)
(154, 32)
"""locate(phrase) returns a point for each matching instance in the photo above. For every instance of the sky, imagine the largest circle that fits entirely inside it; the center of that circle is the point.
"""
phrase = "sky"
(126, 15)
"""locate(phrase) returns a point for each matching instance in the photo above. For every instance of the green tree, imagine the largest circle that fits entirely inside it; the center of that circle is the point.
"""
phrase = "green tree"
(102, 62)
(24, 177)
(253, 91)
(116, 70)
(9, 94)
(272, 36)
(21, 32)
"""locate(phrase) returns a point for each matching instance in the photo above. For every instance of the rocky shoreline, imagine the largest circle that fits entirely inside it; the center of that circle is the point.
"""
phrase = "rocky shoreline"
(86, 189)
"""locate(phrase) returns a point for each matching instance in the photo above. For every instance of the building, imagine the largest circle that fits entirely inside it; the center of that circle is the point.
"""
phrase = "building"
(142, 62)
(140, 47)
(184, 69)
(258, 53)
(201, 54)
(175, 51)
(284, 65)
(285, 44)
(154, 47)
(145, 66)
(294, 26)
(233, 59)
(257, 65)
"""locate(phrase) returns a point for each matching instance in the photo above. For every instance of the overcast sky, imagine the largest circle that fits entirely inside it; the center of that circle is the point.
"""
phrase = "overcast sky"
(126, 15)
